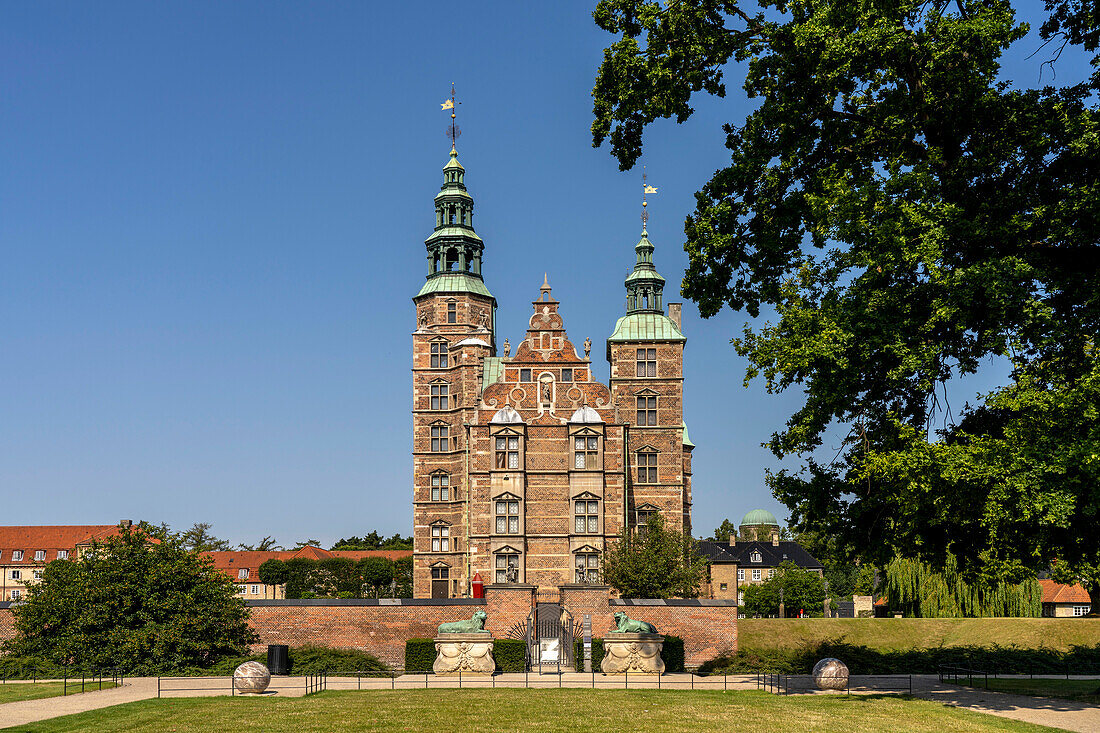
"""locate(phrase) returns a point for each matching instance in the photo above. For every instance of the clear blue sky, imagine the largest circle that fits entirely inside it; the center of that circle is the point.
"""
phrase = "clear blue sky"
(212, 219)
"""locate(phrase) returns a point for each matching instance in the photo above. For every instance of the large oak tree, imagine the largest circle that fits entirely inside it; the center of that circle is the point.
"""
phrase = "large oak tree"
(908, 216)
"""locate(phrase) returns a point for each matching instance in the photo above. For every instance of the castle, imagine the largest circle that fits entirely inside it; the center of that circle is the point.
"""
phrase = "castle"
(524, 465)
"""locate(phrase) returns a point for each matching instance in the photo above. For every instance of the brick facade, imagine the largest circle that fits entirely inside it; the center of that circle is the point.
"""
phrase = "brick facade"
(507, 449)
(7, 624)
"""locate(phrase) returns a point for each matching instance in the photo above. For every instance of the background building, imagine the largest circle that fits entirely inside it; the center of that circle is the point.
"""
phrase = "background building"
(25, 551)
(523, 464)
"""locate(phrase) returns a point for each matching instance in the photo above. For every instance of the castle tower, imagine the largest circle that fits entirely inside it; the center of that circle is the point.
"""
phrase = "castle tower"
(646, 353)
(455, 324)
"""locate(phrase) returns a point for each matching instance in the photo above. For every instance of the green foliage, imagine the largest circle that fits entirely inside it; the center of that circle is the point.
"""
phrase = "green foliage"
(724, 531)
(342, 577)
(374, 541)
(274, 572)
(672, 652)
(803, 590)
(316, 659)
(510, 655)
(132, 603)
(403, 577)
(377, 574)
(419, 655)
(865, 660)
(578, 654)
(654, 562)
(908, 217)
(916, 589)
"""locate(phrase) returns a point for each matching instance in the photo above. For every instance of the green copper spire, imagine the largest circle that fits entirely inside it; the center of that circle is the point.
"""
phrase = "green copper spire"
(454, 249)
(644, 286)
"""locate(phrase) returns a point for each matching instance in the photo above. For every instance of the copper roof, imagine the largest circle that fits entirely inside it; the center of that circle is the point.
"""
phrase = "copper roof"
(1062, 593)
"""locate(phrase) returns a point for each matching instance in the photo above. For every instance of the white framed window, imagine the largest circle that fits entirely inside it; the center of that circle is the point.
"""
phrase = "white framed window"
(242, 574)
(440, 396)
(16, 595)
(771, 572)
(586, 516)
(37, 574)
(506, 565)
(241, 590)
(647, 410)
(586, 567)
(741, 598)
(441, 538)
(16, 555)
(254, 590)
(586, 452)
(740, 573)
(507, 516)
(647, 467)
(16, 575)
(439, 354)
(646, 364)
(756, 573)
(441, 487)
(39, 555)
(755, 557)
(1081, 610)
(507, 452)
(62, 554)
(441, 438)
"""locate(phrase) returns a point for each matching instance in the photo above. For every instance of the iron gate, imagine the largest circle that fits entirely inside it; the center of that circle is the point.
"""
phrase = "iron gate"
(550, 635)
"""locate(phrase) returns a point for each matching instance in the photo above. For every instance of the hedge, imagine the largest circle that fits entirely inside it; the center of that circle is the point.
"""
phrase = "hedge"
(865, 660)
(510, 655)
(419, 655)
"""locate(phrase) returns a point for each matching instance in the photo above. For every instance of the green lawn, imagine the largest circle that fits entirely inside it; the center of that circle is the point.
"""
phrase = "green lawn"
(547, 711)
(13, 691)
(1082, 690)
(908, 633)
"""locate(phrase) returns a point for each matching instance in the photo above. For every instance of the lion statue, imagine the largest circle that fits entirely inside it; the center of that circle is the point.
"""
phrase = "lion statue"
(626, 625)
(468, 626)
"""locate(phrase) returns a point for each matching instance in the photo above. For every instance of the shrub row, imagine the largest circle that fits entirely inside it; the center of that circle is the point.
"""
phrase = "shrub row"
(301, 660)
(510, 655)
(865, 660)
(672, 653)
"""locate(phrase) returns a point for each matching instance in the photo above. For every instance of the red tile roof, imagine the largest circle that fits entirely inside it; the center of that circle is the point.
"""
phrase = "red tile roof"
(231, 561)
(50, 538)
(1062, 593)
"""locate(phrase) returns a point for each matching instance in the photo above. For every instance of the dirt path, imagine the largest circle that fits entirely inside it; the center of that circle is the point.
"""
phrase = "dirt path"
(1050, 711)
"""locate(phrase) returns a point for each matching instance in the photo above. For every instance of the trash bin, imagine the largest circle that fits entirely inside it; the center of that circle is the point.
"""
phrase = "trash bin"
(278, 658)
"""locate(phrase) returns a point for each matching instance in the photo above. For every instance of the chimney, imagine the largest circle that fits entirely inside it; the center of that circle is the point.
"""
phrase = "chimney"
(733, 539)
(775, 539)
(674, 314)
(126, 523)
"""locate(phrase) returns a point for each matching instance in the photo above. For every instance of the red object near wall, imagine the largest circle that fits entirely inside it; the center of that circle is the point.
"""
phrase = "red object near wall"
(478, 586)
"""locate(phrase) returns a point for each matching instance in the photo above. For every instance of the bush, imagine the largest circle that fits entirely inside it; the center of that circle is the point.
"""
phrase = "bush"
(14, 667)
(673, 654)
(578, 654)
(315, 659)
(864, 660)
(419, 655)
(510, 655)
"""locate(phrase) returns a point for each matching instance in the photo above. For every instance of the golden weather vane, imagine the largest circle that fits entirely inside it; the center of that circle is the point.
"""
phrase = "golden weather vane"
(450, 104)
(646, 189)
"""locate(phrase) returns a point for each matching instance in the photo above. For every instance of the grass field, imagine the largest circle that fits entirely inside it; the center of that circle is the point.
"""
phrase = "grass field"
(548, 711)
(1081, 690)
(14, 691)
(907, 633)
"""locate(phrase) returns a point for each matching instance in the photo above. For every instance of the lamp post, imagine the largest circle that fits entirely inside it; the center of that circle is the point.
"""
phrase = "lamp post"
(781, 609)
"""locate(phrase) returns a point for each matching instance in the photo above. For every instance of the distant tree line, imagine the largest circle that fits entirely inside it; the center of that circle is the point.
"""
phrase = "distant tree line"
(340, 577)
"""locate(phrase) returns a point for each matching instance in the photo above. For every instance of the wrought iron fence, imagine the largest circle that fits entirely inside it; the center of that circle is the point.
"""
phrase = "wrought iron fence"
(965, 676)
(788, 684)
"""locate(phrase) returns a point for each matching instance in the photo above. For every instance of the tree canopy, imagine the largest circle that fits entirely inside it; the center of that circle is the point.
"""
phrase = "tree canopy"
(908, 216)
(654, 561)
(801, 591)
(132, 602)
(374, 541)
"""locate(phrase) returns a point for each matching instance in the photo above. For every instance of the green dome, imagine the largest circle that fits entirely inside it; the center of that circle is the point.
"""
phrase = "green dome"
(758, 517)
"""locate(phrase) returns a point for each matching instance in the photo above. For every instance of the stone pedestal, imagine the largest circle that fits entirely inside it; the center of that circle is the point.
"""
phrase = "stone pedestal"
(465, 653)
(633, 653)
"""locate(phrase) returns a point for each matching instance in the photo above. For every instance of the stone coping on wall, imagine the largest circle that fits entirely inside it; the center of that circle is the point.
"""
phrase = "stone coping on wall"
(368, 602)
(709, 602)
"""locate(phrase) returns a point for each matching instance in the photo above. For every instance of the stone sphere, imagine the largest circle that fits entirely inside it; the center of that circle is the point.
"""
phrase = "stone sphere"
(831, 674)
(251, 678)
